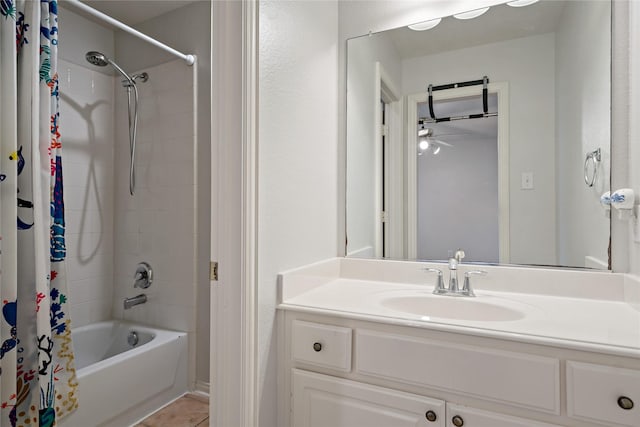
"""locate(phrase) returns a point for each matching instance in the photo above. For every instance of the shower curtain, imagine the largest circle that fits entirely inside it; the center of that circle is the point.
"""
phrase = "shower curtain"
(37, 373)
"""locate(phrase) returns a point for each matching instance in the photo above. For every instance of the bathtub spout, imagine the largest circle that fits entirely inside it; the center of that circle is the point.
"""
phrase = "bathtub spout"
(138, 299)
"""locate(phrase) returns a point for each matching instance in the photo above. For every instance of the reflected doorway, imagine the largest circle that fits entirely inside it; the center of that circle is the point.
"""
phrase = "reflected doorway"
(457, 179)
(462, 174)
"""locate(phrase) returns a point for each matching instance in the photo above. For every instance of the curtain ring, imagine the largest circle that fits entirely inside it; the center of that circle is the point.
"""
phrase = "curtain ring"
(595, 158)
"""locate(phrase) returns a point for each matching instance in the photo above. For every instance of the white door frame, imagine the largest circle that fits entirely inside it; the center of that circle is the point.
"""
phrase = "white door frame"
(233, 356)
(502, 91)
(387, 92)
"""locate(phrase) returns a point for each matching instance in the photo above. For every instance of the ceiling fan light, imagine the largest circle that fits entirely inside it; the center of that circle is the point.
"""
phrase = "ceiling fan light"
(425, 25)
(471, 14)
(423, 145)
(521, 3)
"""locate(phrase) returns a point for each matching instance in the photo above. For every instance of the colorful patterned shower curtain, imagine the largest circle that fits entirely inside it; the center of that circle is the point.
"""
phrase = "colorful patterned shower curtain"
(37, 373)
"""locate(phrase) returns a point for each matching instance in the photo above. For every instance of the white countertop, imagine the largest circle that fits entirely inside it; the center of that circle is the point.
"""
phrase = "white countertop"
(610, 326)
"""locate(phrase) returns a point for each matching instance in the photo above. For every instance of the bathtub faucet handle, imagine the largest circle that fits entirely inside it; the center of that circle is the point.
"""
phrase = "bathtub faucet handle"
(143, 276)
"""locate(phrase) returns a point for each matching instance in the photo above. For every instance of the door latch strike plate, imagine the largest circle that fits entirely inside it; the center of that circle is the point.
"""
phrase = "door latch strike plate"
(213, 271)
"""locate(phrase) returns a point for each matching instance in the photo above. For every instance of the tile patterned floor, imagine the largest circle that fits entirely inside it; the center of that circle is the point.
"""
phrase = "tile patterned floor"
(187, 411)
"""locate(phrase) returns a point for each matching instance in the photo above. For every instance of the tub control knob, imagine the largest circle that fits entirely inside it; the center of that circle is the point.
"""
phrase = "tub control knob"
(317, 346)
(625, 403)
(144, 276)
(457, 421)
(431, 416)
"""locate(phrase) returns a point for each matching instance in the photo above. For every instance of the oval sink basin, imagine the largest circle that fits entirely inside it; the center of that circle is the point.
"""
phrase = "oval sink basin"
(452, 308)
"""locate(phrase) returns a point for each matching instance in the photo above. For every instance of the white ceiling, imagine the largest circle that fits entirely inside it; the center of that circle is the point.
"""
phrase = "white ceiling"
(498, 24)
(133, 12)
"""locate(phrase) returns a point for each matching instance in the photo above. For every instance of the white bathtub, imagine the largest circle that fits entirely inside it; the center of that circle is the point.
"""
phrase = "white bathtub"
(120, 383)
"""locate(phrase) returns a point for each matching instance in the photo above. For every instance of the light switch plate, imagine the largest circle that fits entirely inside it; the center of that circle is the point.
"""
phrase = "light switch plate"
(527, 181)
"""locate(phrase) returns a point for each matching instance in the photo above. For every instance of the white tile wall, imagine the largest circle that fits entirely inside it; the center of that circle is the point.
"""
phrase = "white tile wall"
(108, 230)
(86, 123)
(156, 225)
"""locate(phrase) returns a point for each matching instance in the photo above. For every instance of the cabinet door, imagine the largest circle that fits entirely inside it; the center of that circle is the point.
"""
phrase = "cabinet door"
(463, 416)
(325, 401)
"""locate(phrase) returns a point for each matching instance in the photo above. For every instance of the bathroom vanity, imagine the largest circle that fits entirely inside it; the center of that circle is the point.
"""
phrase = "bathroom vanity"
(366, 343)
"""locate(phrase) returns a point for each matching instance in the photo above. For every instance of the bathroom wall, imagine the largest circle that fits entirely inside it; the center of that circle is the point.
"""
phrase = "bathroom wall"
(156, 225)
(187, 29)
(632, 228)
(87, 129)
(297, 206)
(583, 124)
(528, 66)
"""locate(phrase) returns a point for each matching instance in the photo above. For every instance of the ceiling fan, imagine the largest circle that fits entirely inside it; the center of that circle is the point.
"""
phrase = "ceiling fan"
(428, 142)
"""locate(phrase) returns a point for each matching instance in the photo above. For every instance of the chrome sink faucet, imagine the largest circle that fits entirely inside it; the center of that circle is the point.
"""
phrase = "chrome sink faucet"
(453, 271)
(454, 288)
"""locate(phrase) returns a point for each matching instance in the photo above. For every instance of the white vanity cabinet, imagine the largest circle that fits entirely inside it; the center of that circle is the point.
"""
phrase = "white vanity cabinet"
(349, 372)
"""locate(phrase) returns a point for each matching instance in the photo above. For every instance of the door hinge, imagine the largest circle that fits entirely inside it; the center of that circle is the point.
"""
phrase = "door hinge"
(213, 271)
(384, 216)
(385, 130)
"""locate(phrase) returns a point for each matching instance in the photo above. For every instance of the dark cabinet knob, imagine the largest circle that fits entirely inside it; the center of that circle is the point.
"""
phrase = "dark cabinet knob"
(431, 416)
(625, 403)
(317, 346)
(457, 421)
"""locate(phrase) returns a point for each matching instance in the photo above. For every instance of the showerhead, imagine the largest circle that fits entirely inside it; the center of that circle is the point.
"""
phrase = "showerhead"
(97, 58)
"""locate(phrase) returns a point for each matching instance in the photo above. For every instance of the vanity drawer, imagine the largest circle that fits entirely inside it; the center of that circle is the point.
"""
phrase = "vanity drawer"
(594, 391)
(514, 378)
(321, 345)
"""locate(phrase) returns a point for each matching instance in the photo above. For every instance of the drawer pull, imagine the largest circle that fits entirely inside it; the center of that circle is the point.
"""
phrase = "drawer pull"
(431, 416)
(457, 421)
(625, 403)
(317, 346)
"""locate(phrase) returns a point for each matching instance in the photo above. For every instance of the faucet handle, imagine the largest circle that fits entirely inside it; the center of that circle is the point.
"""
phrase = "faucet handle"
(466, 287)
(439, 288)
(143, 276)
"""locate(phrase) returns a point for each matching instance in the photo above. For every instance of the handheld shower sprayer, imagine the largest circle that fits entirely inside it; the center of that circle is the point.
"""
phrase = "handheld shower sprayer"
(101, 60)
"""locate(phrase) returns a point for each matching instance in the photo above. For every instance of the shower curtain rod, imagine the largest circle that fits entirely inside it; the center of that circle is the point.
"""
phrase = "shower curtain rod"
(189, 59)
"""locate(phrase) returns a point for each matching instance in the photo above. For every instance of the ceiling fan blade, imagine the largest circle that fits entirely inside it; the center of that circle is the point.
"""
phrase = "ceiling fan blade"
(440, 142)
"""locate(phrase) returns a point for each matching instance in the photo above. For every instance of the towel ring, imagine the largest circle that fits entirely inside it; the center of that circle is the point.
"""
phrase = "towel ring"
(595, 158)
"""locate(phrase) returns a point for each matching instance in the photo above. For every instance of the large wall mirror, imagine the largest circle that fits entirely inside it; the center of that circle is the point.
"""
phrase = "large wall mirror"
(507, 156)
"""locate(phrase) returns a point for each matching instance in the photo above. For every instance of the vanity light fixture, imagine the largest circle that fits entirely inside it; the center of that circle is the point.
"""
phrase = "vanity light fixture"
(471, 14)
(425, 25)
(521, 3)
